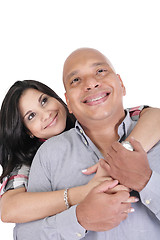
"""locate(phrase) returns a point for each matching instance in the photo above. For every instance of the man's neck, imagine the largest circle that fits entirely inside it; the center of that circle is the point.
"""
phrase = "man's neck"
(104, 134)
(104, 141)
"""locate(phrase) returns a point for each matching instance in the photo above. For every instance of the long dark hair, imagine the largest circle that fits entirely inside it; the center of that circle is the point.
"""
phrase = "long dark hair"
(16, 146)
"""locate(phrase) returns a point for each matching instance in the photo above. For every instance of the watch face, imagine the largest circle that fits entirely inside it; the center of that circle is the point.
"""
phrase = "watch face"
(127, 145)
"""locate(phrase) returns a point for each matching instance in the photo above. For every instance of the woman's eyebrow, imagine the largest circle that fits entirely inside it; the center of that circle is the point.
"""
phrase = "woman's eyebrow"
(40, 98)
(26, 113)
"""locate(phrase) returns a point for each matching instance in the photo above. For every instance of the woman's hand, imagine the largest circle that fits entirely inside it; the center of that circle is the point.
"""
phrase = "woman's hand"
(100, 172)
(101, 176)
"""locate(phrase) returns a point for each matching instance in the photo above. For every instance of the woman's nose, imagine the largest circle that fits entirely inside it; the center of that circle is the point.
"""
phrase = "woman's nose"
(45, 115)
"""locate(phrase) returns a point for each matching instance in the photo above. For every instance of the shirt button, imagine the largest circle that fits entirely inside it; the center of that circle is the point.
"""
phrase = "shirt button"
(148, 201)
(79, 234)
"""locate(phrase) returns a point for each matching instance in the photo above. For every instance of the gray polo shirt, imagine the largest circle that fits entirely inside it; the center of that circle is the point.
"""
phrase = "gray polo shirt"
(58, 164)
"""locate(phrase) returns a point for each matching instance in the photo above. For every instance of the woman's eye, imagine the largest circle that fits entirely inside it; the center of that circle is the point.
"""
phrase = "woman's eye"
(31, 116)
(74, 80)
(44, 100)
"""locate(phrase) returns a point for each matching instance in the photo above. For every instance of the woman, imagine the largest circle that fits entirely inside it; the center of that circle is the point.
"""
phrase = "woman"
(31, 112)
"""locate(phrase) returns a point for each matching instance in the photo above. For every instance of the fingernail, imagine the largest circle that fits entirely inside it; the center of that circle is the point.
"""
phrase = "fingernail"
(84, 170)
(136, 199)
(132, 210)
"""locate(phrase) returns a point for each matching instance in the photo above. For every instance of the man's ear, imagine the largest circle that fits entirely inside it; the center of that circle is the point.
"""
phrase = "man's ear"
(122, 85)
(67, 101)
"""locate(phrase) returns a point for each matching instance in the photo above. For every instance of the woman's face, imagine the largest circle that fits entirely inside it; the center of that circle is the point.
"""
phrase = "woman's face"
(43, 116)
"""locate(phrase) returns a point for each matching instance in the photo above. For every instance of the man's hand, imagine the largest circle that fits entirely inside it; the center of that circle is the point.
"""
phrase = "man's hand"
(101, 211)
(129, 168)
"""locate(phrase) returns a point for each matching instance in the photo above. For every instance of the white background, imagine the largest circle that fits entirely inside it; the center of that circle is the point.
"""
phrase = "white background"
(37, 36)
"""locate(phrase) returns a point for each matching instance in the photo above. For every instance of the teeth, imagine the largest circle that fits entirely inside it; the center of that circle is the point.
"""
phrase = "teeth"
(96, 99)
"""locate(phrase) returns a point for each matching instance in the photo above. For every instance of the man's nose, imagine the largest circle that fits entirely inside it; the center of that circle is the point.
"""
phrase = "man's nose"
(91, 83)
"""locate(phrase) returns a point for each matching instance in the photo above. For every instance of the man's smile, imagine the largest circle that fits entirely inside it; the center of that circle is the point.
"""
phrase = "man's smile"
(96, 98)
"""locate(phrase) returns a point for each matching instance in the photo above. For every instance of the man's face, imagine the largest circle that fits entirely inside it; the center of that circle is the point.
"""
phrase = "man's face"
(93, 90)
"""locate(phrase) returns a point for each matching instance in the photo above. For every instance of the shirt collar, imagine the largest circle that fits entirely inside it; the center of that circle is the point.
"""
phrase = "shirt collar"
(125, 126)
(123, 129)
(87, 141)
(81, 132)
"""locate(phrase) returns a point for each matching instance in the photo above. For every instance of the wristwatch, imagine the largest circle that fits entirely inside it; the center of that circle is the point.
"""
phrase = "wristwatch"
(127, 145)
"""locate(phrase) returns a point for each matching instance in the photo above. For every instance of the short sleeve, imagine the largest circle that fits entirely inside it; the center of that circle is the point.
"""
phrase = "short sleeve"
(135, 112)
(18, 178)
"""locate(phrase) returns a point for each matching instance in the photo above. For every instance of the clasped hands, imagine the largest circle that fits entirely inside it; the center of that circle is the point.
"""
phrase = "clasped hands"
(130, 168)
(109, 203)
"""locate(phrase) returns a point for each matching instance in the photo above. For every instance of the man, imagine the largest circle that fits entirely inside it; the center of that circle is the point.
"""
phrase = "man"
(94, 93)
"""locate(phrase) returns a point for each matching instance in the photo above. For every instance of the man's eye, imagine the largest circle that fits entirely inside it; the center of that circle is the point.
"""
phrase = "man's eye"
(101, 71)
(74, 80)
(44, 100)
(31, 116)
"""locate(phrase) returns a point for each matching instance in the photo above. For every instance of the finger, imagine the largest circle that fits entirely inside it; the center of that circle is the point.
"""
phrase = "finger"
(129, 210)
(105, 165)
(131, 200)
(104, 186)
(90, 170)
(125, 215)
(116, 146)
(123, 196)
(136, 145)
(107, 178)
(120, 147)
(126, 207)
(120, 188)
(114, 151)
(101, 171)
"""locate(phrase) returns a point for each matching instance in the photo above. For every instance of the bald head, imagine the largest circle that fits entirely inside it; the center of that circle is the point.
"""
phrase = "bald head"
(93, 90)
(79, 58)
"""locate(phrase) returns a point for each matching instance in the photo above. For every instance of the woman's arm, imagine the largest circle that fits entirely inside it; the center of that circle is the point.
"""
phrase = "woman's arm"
(19, 206)
(147, 129)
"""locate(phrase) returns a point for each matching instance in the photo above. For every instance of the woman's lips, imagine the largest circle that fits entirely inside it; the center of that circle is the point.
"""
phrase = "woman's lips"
(52, 121)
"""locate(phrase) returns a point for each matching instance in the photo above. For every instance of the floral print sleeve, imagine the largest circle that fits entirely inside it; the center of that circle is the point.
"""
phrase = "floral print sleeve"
(135, 112)
(18, 178)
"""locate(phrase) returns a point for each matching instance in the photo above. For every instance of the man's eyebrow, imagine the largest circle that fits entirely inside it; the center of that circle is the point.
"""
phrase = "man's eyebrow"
(71, 75)
(98, 64)
(92, 65)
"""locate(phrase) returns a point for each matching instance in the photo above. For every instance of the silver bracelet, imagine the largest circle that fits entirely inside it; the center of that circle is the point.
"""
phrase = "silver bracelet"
(66, 198)
(127, 145)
